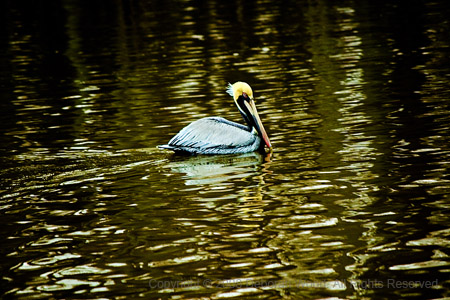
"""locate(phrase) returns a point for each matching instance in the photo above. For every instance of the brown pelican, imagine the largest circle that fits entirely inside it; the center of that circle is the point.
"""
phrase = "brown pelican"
(215, 135)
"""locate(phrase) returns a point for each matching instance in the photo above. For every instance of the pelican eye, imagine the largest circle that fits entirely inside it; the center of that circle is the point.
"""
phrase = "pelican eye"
(246, 97)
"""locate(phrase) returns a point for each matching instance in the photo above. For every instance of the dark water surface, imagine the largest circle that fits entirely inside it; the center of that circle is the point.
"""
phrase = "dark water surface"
(352, 204)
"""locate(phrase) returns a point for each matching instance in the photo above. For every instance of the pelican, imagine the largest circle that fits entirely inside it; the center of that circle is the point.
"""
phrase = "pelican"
(216, 135)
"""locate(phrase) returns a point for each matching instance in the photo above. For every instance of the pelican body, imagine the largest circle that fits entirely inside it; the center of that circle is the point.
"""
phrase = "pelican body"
(215, 135)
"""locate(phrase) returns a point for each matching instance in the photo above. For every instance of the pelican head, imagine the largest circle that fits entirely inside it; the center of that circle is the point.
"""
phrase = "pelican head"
(243, 97)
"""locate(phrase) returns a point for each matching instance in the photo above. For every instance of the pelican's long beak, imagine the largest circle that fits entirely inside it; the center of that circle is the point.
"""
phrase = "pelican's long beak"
(258, 124)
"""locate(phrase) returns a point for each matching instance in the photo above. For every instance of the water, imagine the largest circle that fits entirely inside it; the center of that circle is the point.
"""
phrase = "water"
(352, 204)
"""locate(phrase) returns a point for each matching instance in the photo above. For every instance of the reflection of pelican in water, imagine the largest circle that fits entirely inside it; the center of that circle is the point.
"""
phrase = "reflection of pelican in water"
(217, 169)
(214, 135)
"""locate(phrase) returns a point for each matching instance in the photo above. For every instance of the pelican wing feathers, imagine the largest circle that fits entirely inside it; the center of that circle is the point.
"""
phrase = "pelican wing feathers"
(214, 135)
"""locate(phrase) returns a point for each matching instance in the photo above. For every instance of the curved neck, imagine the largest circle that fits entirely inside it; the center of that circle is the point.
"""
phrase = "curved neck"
(245, 113)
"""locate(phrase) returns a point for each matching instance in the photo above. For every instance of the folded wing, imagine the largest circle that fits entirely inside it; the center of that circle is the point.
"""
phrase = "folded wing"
(210, 135)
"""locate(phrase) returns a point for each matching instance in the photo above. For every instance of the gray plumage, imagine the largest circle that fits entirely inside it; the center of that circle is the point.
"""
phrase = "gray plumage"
(214, 135)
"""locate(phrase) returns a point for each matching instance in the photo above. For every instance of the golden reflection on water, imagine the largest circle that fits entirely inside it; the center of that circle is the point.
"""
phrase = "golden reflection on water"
(358, 153)
(91, 206)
